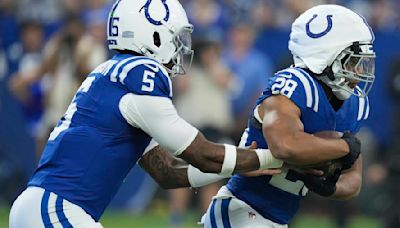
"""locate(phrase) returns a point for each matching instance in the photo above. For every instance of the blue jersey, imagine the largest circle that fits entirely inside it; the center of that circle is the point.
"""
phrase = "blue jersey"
(92, 148)
(277, 197)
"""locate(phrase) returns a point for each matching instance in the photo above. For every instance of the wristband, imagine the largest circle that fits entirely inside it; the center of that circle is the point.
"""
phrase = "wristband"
(198, 179)
(267, 160)
(228, 166)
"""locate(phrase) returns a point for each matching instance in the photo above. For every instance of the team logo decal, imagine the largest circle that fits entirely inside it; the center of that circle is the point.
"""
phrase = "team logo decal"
(323, 33)
(152, 20)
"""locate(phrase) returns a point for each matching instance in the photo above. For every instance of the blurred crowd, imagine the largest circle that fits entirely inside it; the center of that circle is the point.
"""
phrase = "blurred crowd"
(48, 47)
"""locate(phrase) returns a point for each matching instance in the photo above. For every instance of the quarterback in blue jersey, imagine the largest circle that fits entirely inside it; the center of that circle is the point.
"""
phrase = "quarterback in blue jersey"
(325, 90)
(122, 115)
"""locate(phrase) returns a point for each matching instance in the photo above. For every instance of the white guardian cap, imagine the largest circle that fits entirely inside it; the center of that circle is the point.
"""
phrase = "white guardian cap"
(155, 28)
(335, 43)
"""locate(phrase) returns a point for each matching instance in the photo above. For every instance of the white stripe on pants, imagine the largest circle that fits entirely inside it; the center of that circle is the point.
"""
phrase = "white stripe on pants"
(226, 210)
(27, 211)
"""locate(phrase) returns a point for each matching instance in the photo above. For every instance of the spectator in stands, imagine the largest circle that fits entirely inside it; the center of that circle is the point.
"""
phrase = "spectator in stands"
(202, 98)
(72, 7)
(263, 14)
(251, 70)
(8, 24)
(32, 39)
(207, 18)
(91, 48)
(59, 62)
(383, 16)
(48, 12)
(17, 159)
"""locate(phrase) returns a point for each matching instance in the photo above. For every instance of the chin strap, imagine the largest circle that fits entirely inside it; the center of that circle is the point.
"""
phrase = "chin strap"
(327, 72)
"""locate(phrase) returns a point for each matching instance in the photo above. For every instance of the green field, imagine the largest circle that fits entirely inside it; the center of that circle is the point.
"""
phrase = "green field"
(153, 220)
(158, 218)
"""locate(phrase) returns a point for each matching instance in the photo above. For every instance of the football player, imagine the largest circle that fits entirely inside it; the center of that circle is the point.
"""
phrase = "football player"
(325, 90)
(123, 110)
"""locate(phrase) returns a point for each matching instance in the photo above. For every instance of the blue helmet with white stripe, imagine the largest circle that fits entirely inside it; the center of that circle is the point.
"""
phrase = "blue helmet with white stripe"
(335, 43)
(155, 28)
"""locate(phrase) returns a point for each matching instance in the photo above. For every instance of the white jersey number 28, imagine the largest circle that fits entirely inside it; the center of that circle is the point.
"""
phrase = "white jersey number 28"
(284, 86)
(283, 182)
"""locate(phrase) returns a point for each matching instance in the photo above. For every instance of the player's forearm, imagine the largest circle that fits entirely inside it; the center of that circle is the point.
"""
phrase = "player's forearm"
(171, 172)
(349, 183)
(301, 148)
(165, 169)
(283, 129)
(210, 157)
(347, 187)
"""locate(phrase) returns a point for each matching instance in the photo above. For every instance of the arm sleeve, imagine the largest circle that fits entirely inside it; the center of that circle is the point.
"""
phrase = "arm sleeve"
(158, 117)
(153, 143)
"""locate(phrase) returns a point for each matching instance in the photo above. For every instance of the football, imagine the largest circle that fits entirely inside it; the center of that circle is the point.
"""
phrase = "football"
(328, 167)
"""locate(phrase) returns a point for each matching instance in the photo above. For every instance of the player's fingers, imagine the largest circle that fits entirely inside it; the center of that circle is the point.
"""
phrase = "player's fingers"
(252, 173)
(271, 171)
(262, 172)
(315, 172)
(253, 145)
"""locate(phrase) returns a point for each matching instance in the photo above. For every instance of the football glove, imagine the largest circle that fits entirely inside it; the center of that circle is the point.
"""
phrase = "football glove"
(322, 185)
(355, 150)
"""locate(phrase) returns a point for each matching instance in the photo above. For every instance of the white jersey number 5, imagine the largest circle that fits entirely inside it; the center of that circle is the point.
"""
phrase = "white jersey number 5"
(148, 80)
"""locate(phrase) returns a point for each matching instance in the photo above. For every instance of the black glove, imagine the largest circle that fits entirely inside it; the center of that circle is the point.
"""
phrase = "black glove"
(355, 149)
(322, 185)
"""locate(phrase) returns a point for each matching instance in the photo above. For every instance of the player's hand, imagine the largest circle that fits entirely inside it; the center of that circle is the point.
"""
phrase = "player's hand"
(263, 172)
(355, 150)
(321, 185)
(253, 145)
(304, 169)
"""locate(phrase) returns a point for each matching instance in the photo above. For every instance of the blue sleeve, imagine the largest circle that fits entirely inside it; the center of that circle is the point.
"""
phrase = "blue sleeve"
(149, 79)
(296, 85)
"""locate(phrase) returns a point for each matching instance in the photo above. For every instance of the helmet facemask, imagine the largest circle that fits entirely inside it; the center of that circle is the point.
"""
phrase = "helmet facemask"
(352, 72)
(183, 56)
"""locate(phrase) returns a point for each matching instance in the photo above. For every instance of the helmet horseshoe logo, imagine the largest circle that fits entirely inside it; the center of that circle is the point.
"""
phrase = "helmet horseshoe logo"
(323, 33)
(152, 20)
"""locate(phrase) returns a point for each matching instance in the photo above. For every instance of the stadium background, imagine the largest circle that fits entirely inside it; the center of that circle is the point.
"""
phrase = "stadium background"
(239, 44)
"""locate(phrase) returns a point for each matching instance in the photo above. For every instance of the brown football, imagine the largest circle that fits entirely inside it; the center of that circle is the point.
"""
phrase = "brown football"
(329, 166)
